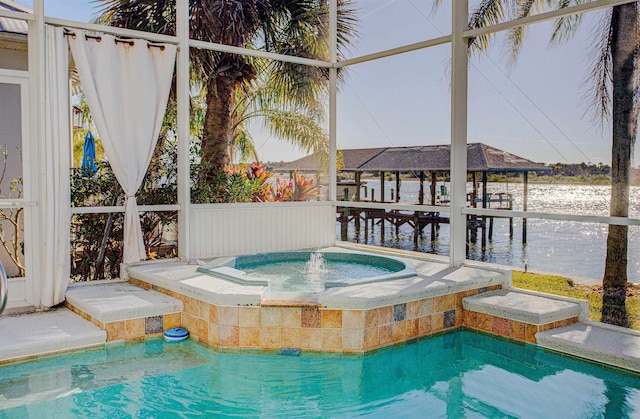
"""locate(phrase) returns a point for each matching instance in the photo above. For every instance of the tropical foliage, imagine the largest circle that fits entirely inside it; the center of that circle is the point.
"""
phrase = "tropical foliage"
(295, 27)
(96, 239)
(228, 91)
(261, 101)
(253, 183)
(96, 242)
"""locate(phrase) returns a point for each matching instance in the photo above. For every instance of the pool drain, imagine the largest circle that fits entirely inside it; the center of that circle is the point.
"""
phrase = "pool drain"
(176, 334)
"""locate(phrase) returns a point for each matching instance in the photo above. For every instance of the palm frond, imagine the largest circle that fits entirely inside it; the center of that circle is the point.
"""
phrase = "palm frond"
(347, 26)
(243, 148)
(565, 28)
(302, 87)
(487, 13)
(598, 82)
(299, 130)
(293, 88)
(516, 35)
(156, 16)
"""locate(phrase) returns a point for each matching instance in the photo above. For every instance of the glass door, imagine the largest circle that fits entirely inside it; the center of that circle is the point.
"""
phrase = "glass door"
(15, 206)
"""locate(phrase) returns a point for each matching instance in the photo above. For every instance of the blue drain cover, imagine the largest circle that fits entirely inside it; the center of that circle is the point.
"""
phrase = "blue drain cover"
(176, 334)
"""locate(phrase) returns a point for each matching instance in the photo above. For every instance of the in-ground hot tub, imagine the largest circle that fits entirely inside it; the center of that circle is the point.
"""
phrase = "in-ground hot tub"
(295, 275)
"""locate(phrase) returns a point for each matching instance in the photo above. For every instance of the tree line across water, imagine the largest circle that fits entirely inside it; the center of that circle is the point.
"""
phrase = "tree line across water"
(572, 173)
(567, 173)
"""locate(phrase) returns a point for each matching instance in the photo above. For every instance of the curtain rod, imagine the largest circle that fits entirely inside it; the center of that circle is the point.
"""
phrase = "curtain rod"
(98, 38)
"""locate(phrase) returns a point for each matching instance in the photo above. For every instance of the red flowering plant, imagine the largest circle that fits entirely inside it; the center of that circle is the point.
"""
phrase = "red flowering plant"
(305, 188)
(298, 188)
(253, 183)
(283, 192)
(259, 173)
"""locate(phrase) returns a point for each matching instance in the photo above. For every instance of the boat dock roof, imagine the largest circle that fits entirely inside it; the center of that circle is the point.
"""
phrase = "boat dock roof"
(431, 158)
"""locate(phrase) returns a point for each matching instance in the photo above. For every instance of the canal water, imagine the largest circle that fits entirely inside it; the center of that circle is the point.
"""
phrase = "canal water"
(566, 248)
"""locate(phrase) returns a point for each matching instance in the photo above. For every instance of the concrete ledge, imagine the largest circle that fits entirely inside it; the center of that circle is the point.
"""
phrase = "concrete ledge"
(182, 278)
(522, 306)
(399, 291)
(111, 301)
(433, 278)
(56, 330)
(596, 341)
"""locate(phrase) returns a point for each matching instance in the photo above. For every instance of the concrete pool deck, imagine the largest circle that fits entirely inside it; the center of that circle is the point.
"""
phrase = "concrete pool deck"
(596, 341)
(28, 335)
(355, 319)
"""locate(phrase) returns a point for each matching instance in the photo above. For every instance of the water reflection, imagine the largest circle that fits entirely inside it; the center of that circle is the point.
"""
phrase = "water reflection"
(562, 247)
(460, 374)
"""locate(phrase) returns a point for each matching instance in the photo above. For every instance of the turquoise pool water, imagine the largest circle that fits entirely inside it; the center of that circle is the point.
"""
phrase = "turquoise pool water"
(459, 374)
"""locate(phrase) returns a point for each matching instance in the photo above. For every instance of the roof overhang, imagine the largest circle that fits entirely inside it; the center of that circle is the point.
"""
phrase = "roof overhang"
(13, 41)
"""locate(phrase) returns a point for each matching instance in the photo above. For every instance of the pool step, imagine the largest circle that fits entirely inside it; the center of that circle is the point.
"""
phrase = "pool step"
(524, 306)
(596, 341)
(520, 314)
(124, 310)
(32, 334)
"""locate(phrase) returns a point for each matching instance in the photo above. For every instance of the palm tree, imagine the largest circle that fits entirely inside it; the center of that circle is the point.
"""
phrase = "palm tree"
(293, 27)
(297, 127)
(614, 78)
(619, 54)
(263, 100)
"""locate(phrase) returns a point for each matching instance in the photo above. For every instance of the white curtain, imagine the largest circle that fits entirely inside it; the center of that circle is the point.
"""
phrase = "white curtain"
(57, 150)
(127, 88)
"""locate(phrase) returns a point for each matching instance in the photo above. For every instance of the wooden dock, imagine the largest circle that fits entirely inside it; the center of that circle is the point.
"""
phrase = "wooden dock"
(418, 220)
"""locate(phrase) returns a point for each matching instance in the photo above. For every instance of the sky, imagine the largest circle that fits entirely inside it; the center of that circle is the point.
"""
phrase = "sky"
(534, 108)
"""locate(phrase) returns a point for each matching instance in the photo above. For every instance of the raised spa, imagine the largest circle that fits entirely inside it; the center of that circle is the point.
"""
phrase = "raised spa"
(308, 271)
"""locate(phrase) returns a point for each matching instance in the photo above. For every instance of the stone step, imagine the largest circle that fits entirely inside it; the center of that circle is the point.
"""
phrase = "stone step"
(596, 341)
(41, 333)
(526, 306)
(114, 301)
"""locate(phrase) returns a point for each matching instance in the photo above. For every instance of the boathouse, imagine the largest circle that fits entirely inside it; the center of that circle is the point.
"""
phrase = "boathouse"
(431, 162)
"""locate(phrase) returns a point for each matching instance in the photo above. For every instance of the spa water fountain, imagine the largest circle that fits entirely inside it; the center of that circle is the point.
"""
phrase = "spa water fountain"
(304, 275)
(316, 264)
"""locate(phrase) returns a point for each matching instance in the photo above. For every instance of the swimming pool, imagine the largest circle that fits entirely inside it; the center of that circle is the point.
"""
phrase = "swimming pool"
(455, 374)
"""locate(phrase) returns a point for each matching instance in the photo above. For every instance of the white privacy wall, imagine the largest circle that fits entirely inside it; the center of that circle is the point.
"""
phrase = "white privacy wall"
(233, 229)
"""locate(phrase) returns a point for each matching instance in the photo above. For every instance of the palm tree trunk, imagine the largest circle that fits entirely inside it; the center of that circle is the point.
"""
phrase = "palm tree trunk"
(217, 126)
(623, 47)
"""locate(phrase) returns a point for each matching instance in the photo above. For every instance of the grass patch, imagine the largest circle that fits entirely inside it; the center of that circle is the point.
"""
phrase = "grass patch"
(558, 285)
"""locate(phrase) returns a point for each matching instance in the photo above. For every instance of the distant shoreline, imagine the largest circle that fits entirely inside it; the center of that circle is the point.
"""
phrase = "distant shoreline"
(549, 180)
